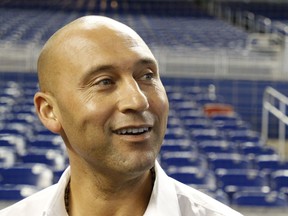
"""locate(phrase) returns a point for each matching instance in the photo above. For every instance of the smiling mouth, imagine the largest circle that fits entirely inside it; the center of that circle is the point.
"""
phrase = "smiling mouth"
(133, 131)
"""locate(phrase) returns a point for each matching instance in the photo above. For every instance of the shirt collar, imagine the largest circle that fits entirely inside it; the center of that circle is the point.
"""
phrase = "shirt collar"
(56, 206)
(163, 200)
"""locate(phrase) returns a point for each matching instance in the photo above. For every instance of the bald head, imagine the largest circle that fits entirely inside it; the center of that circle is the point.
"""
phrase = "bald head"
(72, 39)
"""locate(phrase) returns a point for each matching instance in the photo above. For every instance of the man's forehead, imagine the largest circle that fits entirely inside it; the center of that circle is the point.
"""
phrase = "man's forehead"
(97, 23)
(107, 33)
(85, 37)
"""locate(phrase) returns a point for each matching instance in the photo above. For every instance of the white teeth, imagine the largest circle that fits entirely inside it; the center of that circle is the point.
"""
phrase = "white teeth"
(132, 130)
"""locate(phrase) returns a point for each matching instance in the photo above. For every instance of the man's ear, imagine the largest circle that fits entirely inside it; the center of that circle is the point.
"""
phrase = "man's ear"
(45, 108)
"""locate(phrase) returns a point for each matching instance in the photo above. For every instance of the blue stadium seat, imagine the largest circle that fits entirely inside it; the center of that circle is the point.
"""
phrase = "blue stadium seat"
(10, 131)
(228, 161)
(270, 163)
(8, 156)
(175, 97)
(194, 176)
(182, 159)
(203, 99)
(173, 121)
(216, 146)
(232, 181)
(171, 145)
(279, 181)
(55, 159)
(6, 143)
(250, 148)
(45, 142)
(31, 174)
(260, 199)
(16, 192)
(194, 90)
(226, 119)
(186, 106)
(192, 115)
(243, 136)
(200, 123)
(56, 175)
(174, 148)
(18, 143)
(199, 135)
(230, 125)
(176, 133)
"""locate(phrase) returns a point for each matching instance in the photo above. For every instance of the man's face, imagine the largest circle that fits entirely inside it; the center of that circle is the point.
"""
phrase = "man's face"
(113, 107)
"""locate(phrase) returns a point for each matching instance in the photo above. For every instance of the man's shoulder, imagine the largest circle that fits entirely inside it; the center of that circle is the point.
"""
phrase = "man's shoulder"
(191, 198)
(32, 205)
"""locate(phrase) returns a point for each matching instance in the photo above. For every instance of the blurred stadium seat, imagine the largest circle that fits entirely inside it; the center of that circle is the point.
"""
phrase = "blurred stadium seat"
(235, 180)
(270, 163)
(194, 176)
(216, 146)
(262, 199)
(27, 174)
(16, 192)
(228, 161)
(182, 159)
(279, 181)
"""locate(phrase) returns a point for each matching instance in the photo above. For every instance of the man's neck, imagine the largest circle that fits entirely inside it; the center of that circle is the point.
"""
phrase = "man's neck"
(121, 198)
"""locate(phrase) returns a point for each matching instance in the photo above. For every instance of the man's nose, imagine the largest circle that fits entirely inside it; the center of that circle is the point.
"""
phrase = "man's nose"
(132, 98)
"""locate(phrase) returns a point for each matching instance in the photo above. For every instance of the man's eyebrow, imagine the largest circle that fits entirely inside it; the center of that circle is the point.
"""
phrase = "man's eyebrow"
(101, 68)
(146, 61)
(94, 70)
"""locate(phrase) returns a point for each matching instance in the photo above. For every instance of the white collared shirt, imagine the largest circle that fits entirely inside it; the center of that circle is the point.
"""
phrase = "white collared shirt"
(169, 198)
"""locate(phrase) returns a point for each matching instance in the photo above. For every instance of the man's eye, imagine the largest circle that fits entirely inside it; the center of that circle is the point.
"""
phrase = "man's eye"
(148, 76)
(104, 82)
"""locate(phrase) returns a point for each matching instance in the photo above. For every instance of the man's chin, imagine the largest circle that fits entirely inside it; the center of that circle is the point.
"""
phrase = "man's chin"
(142, 164)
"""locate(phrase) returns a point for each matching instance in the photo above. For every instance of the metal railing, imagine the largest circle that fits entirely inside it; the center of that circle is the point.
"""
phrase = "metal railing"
(275, 103)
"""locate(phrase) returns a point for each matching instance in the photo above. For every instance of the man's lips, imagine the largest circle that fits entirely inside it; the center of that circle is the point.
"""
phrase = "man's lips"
(133, 130)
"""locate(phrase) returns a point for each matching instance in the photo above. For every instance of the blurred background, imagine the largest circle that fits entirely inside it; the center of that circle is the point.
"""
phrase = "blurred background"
(224, 64)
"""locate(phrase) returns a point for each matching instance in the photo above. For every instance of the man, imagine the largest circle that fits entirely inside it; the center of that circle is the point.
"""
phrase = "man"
(100, 90)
